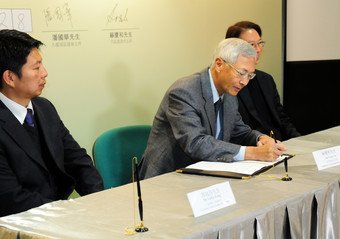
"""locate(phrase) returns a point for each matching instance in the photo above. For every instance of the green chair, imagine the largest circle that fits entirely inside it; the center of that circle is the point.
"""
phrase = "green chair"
(113, 152)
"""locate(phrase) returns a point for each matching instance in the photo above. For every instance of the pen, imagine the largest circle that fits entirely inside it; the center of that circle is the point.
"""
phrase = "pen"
(272, 135)
(139, 193)
(286, 178)
(285, 160)
(141, 227)
(286, 164)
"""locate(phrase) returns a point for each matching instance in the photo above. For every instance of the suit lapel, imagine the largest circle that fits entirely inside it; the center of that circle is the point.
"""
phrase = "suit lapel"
(18, 133)
(246, 99)
(268, 97)
(208, 97)
(47, 131)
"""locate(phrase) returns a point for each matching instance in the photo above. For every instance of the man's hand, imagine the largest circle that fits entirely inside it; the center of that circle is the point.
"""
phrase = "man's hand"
(264, 139)
(266, 150)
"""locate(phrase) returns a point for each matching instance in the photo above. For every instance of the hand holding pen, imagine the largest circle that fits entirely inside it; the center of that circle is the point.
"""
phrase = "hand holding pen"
(265, 139)
(268, 149)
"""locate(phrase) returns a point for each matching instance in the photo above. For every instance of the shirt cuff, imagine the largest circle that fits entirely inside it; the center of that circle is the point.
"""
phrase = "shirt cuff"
(240, 155)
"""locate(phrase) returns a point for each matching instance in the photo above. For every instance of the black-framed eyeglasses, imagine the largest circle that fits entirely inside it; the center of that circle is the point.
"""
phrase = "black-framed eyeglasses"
(258, 44)
(241, 74)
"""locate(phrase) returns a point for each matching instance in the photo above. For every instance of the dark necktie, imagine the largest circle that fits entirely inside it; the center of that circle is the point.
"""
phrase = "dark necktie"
(219, 109)
(29, 118)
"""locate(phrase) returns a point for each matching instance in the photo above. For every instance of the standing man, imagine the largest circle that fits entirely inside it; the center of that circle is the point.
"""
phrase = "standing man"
(259, 102)
(39, 160)
(190, 126)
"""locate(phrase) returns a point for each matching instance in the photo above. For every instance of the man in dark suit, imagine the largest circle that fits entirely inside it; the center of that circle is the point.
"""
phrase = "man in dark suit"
(259, 102)
(187, 129)
(39, 160)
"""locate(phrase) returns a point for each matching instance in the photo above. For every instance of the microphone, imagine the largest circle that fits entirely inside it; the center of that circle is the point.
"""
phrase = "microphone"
(141, 227)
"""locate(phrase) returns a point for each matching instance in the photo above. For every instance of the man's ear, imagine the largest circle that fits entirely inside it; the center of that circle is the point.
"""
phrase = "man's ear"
(218, 64)
(8, 77)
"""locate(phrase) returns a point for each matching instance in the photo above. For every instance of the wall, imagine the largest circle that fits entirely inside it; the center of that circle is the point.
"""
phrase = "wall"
(99, 81)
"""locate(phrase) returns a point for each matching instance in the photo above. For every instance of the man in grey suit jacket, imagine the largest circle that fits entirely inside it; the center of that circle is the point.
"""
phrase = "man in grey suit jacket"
(39, 160)
(186, 128)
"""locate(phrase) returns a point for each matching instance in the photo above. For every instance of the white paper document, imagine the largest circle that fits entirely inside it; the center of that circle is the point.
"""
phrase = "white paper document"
(327, 158)
(247, 167)
(210, 199)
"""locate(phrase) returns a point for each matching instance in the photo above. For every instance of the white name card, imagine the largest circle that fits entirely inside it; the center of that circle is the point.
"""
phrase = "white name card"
(210, 199)
(327, 158)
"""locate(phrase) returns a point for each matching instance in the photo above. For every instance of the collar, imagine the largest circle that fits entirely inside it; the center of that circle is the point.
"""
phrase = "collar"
(216, 97)
(17, 110)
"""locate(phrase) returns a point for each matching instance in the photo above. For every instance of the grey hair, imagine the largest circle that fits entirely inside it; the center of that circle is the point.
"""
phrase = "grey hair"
(231, 48)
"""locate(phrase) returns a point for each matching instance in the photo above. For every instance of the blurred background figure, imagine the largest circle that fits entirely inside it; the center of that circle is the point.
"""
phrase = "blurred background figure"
(259, 102)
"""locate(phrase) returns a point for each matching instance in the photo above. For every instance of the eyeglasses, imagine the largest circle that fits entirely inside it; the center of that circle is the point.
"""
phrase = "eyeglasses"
(243, 75)
(257, 44)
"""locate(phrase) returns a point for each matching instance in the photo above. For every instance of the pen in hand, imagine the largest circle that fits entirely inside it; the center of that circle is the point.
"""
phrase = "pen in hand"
(273, 136)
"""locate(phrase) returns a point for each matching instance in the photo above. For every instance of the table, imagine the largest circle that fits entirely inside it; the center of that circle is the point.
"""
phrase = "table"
(306, 207)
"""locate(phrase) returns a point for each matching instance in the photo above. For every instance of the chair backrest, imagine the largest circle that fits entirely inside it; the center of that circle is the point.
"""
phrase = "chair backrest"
(113, 152)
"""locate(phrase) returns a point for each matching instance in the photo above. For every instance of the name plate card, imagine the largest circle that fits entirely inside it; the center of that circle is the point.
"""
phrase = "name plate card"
(210, 199)
(327, 158)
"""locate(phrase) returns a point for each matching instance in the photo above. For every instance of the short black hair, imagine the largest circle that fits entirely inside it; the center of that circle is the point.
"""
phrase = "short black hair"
(15, 46)
(236, 29)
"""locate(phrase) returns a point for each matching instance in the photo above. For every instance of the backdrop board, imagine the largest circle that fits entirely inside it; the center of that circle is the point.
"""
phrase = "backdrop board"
(110, 62)
(312, 58)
